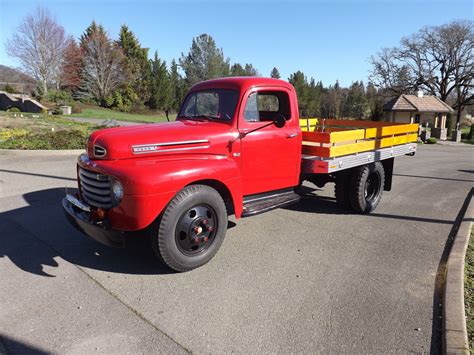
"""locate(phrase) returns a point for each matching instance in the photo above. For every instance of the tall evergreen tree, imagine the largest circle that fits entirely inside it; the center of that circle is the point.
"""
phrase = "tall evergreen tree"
(300, 83)
(250, 70)
(161, 89)
(275, 74)
(375, 102)
(237, 70)
(176, 86)
(356, 105)
(204, 61)
(136, 65)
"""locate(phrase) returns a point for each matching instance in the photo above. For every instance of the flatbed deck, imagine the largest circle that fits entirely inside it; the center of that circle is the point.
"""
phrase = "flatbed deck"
(333, 145)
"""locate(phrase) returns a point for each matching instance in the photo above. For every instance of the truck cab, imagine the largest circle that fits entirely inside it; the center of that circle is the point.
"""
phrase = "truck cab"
(234, 149)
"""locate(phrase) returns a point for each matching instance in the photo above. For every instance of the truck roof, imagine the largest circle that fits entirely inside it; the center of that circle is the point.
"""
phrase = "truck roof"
(240, 83)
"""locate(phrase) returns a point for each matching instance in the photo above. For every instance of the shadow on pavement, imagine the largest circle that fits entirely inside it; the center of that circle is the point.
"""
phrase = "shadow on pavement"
(22, 230)
(311, 203)
(437, 178)
(34, 174)
(13, 346)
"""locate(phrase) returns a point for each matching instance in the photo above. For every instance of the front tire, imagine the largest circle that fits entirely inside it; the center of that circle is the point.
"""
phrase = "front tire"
(367, 184)
(192, 228)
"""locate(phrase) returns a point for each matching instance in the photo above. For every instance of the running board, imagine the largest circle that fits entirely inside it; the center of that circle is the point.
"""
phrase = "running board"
(260, 204)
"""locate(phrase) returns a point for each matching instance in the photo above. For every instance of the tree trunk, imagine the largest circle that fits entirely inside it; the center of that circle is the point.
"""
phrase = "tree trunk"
(458, 115)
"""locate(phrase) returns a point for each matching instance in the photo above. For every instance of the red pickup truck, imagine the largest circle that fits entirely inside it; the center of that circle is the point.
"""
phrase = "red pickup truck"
(236, 148)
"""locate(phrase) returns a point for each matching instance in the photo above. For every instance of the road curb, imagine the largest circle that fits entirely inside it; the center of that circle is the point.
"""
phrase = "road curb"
(455, 339)
(19, 152)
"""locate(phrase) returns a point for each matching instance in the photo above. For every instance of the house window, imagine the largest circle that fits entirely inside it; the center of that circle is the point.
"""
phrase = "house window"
(417, 118)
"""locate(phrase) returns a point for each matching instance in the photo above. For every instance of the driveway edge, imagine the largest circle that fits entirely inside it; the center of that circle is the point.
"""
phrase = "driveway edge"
(455, 339)
(19, 152)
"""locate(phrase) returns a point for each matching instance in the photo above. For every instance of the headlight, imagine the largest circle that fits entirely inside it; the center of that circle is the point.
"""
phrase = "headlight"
(117, 190)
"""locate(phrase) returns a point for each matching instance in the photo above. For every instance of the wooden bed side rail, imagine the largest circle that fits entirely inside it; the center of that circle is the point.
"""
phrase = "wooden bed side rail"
(353, 134)
(308, 124)
(330, 151)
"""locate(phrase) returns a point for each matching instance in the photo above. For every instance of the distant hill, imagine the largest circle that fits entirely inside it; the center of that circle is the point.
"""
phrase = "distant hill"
(10, 75)
(16, 79)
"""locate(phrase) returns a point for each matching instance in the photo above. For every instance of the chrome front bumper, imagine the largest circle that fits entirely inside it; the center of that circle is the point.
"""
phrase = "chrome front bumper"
(78, 214)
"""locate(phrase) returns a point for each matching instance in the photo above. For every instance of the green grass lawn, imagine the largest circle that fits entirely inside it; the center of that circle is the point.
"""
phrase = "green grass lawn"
(469, 289)
(106, 114)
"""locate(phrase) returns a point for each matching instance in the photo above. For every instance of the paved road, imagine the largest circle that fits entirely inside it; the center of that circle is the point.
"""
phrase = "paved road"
(303, 279)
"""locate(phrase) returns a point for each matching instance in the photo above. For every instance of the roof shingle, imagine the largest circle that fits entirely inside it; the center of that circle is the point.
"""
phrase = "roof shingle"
(415, 103)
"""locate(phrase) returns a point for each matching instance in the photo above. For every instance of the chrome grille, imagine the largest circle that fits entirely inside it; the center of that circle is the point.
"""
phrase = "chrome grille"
(95, 188)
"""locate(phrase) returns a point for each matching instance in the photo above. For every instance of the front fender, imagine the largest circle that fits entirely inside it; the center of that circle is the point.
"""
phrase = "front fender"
(150, 183)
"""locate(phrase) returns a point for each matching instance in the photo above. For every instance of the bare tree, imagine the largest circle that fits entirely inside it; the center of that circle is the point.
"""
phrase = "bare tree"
(390, 73)
(39, 44)
(438, 59)
(102, 63)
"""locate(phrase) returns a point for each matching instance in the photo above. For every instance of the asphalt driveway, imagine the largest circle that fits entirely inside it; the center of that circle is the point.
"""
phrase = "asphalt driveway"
(308, 278)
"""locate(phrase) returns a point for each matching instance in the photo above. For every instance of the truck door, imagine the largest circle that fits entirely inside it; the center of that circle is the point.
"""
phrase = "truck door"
(270, 157)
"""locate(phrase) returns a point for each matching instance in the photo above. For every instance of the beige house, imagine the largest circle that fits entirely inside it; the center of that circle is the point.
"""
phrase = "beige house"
(419, 109)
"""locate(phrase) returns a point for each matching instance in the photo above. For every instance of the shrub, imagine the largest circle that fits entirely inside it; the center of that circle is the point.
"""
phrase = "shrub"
(431, 140)
(14, 110)
(57, 111)
(12, 133)
(73, 139)
(38, 92)
(75, 108)
(60, 97)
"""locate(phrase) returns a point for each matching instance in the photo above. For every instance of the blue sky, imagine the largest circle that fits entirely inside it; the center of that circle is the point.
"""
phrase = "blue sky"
(328, 40)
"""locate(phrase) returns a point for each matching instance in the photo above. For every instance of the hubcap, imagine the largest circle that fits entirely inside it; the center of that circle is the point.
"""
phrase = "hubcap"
(196, 229)
(372, 186)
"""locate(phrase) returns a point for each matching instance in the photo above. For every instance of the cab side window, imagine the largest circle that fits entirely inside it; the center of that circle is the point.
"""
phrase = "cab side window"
(266, 106)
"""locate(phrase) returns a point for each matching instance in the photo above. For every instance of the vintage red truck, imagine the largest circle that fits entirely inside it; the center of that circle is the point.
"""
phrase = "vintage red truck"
(237, 147)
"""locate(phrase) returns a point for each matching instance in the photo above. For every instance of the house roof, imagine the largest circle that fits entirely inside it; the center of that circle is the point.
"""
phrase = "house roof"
(20, 97)
(419, 104)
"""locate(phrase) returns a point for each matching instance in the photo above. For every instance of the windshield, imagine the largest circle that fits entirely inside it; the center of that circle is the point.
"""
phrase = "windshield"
(210, 104)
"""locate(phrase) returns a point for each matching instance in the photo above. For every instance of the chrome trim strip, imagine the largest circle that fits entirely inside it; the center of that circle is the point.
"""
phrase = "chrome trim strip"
(167, 144)
(77, 203)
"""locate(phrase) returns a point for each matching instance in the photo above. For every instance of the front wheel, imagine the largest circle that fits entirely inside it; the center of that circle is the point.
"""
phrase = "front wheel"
(192, 228)
(366, 185)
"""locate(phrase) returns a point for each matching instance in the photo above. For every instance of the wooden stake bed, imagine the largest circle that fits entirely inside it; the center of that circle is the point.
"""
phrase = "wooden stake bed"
(332, 145)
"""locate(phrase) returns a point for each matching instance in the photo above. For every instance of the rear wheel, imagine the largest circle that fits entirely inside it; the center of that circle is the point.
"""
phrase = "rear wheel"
(342, 190)
(366, 187)
(191, 229)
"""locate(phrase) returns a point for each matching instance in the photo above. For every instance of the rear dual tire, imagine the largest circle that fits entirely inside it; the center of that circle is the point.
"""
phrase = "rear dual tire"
(361, 188)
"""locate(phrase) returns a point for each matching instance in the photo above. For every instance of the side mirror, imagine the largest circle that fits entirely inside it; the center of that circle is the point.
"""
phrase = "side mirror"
(280, 121)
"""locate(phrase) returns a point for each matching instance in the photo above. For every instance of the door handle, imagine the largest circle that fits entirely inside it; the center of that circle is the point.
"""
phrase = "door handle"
(292, 135)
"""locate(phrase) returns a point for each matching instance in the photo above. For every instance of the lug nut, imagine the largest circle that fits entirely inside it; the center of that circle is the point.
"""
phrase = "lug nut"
(210, 229)
(205, 239)
(196, 240)
(205, 221)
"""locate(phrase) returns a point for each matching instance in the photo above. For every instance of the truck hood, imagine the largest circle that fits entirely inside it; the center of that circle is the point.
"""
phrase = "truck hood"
(178, 137)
